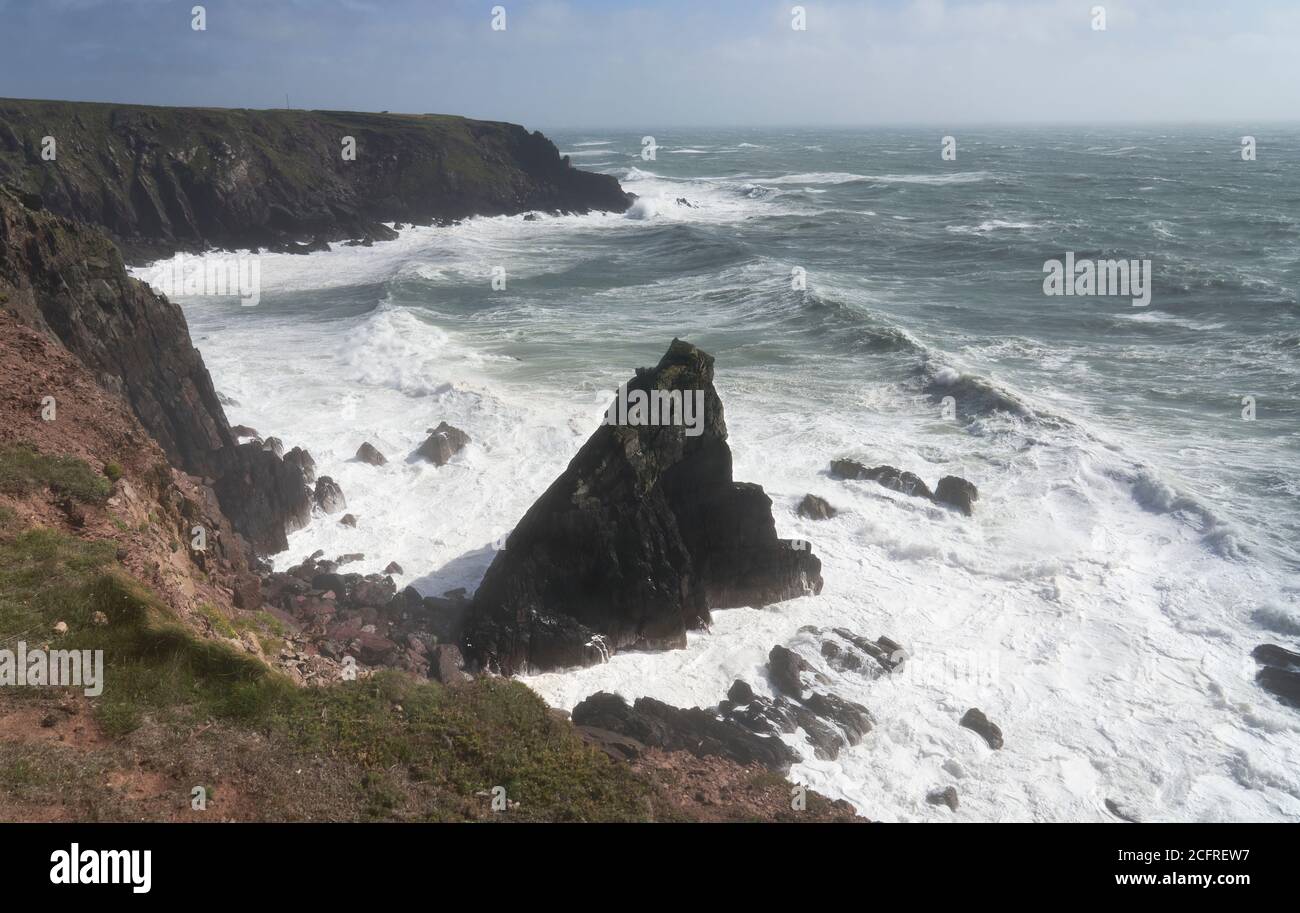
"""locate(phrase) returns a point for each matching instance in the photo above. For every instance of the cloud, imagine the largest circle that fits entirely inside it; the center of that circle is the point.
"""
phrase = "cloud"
(642, 63)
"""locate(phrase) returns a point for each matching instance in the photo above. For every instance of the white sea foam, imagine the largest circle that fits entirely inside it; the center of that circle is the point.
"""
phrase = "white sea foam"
(1110, 611)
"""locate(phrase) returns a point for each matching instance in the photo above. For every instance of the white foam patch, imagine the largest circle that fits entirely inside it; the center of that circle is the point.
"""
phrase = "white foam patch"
(1077, 608)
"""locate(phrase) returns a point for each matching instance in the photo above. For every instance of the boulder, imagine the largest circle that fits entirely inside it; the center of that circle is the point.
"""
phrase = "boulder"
(447, 665)
(328, 495)
(976, 721)
(348, 520)
(1280, 674)
(659, 725)
(785, 669)
(892, 478)
(956, 492)
(393, 568)
(302, 459)
(637, 542)
(815, 508)
(367, 453)
(946, 796)
(444, 442)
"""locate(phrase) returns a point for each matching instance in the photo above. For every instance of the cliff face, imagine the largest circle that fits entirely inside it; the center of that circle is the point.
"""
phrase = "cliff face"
(68, 280)
(165, 179)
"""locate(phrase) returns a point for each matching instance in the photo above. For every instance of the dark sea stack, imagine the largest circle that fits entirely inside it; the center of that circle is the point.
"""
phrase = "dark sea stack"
(636, 542)
(957, 492)
(166, 179)
(444, 442)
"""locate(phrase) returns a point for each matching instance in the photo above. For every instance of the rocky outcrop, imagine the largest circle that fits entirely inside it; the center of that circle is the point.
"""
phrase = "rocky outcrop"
(369, 453)
(1279, 672)
(654, 724)
(166, 179)
(894, 479)
(815, 508)
(329, 496)
(975, 720)
(443, 443)
(642, 536)
(956, 492)
(952, 491)
(68, 281)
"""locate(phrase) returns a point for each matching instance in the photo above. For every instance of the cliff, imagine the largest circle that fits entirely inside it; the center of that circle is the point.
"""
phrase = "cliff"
(166, 179)
(68, 281)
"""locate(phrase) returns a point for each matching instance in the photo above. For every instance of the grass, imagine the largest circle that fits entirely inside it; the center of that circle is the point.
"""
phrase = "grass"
(422, 750)
(24, 470)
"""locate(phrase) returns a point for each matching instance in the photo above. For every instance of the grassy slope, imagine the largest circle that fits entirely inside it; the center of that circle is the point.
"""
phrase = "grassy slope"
(448, 745)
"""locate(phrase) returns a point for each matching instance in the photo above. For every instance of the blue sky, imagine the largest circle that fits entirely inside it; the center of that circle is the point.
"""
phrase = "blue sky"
(631, 63)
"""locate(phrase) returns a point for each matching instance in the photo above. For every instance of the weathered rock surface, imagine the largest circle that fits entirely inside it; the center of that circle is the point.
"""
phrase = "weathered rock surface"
(892, 478)
(1280, 674)
(815, 508)
(167, 179)
(368, 453)
(956, 492)
(975, 720)
(946, 796)
(67, 280)
(329, 496)
(659, 725)
(952, 491)
(444, 442)
(642, 536)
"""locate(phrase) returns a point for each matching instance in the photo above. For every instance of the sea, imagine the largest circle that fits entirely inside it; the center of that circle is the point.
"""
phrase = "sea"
(866, 296)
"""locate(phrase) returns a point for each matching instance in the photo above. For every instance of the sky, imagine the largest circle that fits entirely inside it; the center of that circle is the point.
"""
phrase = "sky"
(641, 63)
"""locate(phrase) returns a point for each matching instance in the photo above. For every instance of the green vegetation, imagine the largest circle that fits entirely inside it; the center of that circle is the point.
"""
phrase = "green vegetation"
(113, 471)
(24, 470)
(417, 749)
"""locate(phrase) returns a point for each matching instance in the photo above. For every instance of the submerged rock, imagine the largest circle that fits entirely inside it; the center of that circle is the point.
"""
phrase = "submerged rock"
(892, 478)
(815, 508)
(946, 796)
(953, 491)
(642, 536)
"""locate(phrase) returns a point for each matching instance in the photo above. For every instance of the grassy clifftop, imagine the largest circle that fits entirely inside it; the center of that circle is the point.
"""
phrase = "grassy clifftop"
(161, 179)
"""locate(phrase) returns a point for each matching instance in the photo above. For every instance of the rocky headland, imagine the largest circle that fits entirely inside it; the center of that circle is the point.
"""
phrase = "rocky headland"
(159, 180)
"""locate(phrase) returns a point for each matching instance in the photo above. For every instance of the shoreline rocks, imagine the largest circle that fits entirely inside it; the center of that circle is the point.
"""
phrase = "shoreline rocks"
(952, 491)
